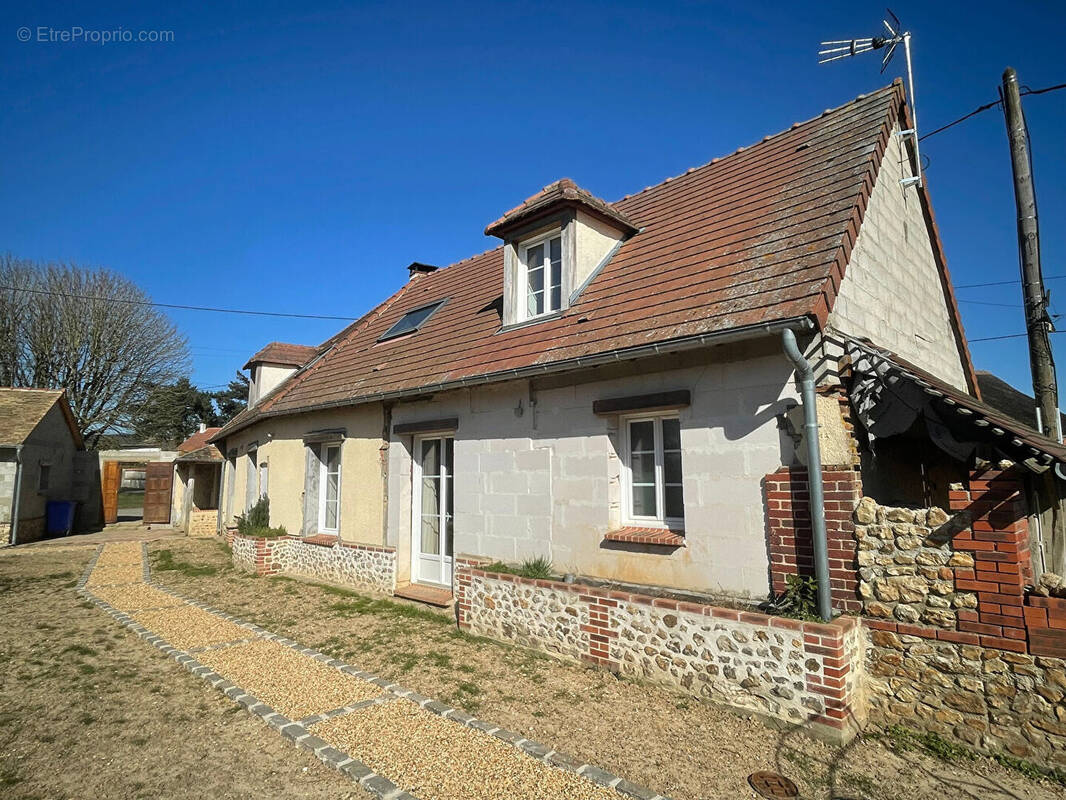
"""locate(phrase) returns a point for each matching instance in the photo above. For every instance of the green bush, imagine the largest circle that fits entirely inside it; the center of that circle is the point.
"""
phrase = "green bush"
(256, 522)
(539, 567)
(799, 600)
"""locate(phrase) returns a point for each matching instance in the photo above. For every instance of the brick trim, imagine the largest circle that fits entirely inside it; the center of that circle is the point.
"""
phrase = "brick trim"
(790, 539)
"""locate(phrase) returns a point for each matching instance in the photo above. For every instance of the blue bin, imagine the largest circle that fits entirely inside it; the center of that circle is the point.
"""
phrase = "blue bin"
(60, 516)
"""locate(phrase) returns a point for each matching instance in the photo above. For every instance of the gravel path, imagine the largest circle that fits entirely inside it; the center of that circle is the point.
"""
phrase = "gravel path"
(288, 681)
(104, 575)
(186, 626)
(437, 759)
(409, 748)
(136, 596)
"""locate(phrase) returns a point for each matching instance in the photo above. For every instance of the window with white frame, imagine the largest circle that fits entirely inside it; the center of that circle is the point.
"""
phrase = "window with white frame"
(653, 471)
(329, 488)
(542, 276)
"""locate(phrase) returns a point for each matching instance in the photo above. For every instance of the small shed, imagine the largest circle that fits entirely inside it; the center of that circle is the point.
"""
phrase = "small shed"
(42, 459)
(197, 484)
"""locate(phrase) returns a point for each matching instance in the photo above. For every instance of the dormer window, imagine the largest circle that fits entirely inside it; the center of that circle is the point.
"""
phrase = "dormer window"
(542, 263)
(555, 243)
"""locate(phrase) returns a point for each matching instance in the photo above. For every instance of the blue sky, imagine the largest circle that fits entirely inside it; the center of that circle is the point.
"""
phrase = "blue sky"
(296, 157)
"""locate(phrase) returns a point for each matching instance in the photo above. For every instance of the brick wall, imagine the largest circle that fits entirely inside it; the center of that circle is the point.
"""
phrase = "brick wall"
(203, 523)
(801, 672)
(791, 544)
(998, 539)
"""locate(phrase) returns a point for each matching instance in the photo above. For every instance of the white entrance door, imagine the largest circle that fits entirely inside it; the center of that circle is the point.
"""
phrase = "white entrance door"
(431, 520)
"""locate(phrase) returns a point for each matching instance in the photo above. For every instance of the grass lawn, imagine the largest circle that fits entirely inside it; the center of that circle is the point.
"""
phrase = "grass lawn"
(131, 498)
(87, 710)
(675, 745)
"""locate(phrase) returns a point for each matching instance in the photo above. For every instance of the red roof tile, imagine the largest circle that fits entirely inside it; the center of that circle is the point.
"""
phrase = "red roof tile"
(197, 440)
(759, 236)
(563, 192)
(289, 355)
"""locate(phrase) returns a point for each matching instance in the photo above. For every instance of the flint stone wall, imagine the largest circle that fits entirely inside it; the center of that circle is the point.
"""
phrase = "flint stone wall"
(776, 668)
(907, 565)
(993, 700)
(356, 565)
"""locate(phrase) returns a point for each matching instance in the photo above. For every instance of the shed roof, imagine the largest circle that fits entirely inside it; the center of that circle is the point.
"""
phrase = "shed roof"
(760, 236)
(21, 411)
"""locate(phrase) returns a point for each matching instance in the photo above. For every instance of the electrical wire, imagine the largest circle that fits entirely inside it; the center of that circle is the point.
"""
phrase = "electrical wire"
(179, 306)
(1003, 283)
(1024, 91)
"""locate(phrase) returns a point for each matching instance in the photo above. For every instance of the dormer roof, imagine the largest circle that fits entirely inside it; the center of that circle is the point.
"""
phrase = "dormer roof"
(564, 193)
(284, 354)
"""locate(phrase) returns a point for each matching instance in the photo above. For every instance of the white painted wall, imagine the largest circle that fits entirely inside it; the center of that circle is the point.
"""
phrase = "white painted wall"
(264, 379)
(545, 482)
(892, 291)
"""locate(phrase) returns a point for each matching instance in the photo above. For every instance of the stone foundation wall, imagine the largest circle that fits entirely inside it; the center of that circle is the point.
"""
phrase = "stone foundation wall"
(907, 565)
(203, 523)
(991, 699)
(781, 669)
(31, 530)
(357, 565)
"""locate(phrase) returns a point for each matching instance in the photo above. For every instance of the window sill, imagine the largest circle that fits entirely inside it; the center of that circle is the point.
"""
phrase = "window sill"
(532, 321)
(657, 537)
(321, 539)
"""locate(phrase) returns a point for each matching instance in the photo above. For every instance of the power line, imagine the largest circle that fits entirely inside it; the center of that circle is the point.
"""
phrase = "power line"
(1003, 283)
(1006, 336)
(1025, 91)
(177, 305)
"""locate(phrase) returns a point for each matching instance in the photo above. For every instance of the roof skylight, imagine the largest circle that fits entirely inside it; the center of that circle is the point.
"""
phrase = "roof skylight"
(411, 321)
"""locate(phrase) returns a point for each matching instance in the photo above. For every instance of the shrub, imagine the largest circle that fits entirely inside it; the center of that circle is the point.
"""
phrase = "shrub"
(539, 567)
(256, 522)
(799, 600)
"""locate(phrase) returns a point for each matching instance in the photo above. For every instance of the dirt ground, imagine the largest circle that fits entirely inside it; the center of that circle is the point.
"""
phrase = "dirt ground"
(87, 710)
(672, 744)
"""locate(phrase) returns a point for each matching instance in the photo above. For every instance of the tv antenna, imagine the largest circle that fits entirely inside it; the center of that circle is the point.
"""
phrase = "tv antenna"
(846, 48)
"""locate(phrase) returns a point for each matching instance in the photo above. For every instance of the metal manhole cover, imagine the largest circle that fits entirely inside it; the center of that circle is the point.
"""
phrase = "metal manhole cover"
(773, 786)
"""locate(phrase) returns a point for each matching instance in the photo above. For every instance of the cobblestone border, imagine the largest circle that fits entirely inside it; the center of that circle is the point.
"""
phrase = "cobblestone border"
(297, 731)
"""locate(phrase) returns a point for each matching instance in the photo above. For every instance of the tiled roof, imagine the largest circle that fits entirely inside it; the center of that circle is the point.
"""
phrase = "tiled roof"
(197, 440)
(999, 394)
(562, 192)
(980, 421)
(289, 355)
(760, 236)
(22, 409)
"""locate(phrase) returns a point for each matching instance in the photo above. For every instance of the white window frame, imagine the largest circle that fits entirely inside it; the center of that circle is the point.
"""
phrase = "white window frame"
(323, 466)
(629, 518)
(523, 274)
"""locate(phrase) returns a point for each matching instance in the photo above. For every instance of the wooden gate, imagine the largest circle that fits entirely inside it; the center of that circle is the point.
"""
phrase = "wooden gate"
(158, 477)
(109, 491)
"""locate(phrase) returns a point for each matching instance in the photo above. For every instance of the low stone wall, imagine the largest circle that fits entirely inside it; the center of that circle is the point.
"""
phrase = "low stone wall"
(776, 668)
(907, 565)
(993, 700)
(357, 565)
(203, 523)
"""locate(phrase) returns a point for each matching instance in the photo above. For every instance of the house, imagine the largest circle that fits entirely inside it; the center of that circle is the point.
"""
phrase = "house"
(197, 484)
(42, 458)
(607, 389)
(682, 400)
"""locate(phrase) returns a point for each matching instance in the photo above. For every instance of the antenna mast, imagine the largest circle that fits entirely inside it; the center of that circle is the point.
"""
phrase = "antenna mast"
(846, 48)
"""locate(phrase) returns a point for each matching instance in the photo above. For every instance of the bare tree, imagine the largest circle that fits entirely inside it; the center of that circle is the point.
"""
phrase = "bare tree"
(89, 331)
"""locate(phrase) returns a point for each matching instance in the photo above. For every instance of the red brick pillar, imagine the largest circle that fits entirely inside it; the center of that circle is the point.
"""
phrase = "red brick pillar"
(998, 539)
(791, 543)
(601, 630)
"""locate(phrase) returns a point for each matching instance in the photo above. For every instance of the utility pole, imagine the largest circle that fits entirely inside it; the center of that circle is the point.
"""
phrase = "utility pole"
(1037, 321)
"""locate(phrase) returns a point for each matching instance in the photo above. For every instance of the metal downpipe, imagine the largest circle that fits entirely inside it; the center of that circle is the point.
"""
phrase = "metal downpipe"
(805, 375)
(14, 537)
